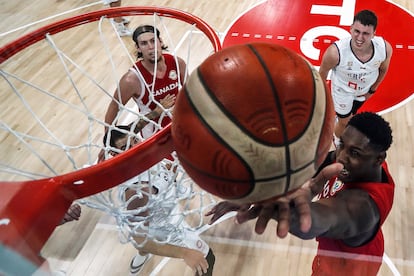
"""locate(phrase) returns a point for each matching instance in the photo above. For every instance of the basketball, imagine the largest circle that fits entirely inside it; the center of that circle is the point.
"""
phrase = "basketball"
(253, 122)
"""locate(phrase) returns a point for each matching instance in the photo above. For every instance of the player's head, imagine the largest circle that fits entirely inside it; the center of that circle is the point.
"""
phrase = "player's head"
(366, 18)
(144, 36)
(375, 128)
(363, 30)
(362, 148)
(119, 139)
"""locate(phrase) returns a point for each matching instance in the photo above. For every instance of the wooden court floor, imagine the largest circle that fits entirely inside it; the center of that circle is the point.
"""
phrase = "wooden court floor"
(91, 246)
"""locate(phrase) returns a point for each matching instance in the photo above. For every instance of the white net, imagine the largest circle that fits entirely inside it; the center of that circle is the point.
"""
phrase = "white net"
(161, 204)
(53, 102)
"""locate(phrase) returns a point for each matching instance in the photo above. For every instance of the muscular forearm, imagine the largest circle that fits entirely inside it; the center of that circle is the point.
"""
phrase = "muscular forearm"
(111, 112)
(320, 223)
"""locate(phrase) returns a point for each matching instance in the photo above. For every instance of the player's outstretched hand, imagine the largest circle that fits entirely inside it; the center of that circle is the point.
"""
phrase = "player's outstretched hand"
(223, 208)
(280, 209)
(73, 213)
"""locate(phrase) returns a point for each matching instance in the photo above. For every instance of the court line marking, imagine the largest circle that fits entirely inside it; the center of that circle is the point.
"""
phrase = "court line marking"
(387, 260)
(391, 265)
(397, 46)
(400, 104)
(390, 262)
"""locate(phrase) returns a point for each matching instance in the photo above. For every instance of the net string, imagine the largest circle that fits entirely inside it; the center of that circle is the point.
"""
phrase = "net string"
(181, 201)
(175, 206)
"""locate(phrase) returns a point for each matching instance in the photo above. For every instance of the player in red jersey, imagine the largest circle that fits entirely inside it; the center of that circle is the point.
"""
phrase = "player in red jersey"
(154, 75)
(347, 214)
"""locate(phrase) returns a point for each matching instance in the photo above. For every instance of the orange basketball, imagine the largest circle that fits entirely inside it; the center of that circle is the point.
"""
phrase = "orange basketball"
(253, 122)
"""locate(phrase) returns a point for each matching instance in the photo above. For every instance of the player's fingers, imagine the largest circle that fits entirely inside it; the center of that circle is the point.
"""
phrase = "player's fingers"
(265, 215)
(77, 210)
(218, 211)
(243, 207)
(283, 219)
(204, 267)
(249, 214)
(327, 173)
(302, 206)
(70, 217)
(73, 212)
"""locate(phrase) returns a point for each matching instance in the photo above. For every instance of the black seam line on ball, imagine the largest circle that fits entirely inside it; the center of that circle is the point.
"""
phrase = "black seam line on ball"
(313, 109)
(279, 108)
(209, 128)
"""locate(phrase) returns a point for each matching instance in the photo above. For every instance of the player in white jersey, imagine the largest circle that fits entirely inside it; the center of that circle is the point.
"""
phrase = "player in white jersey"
(359, 64)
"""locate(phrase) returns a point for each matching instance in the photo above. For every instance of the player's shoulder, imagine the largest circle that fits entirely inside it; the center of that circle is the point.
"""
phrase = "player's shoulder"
(379, 40)
(343, 42)
(331, 54)
(383, 45)
(130, 78)
(168, 56)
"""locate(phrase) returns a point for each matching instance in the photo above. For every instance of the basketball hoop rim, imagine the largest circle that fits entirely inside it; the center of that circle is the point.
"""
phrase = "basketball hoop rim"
(147, 153)
(31, 38)
(30, 224)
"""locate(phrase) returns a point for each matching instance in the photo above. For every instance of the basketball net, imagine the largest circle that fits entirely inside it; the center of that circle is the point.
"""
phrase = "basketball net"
(53, 122)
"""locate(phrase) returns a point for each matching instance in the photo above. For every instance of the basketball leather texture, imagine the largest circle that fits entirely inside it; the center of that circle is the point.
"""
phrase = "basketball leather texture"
(253, 122)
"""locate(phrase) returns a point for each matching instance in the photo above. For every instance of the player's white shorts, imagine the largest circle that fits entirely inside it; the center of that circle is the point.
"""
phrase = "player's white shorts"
(344, 101)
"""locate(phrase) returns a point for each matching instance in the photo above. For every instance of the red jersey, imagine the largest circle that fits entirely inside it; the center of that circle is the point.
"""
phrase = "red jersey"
(168, 84)
(336, 258)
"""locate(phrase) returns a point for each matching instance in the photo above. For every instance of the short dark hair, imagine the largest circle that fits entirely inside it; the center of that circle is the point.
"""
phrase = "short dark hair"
(115, 135)
(146, 29)
(367, 18)
(375, 128)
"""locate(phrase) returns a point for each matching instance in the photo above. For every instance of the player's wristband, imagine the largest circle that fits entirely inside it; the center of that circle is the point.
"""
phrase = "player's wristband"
(370, 91)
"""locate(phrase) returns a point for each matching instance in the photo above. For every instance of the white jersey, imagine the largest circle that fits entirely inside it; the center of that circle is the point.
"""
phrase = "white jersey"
(353, 76)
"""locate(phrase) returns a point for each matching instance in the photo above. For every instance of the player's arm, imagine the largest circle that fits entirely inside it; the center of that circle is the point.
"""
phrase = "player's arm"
(129, 86)
(383, 69)
(351, 216)
(223, 208)
(301, 197)
(330, 59)
(281, 211)
(165, 103)
(193, 258)
(182, 66)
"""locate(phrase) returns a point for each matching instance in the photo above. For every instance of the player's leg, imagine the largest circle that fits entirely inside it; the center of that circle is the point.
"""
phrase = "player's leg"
(344, 119)
(138, 262)
(120, 22)
(356, 105)
(211, 259)
(343, 103)
(341, 123)
(140, 200)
